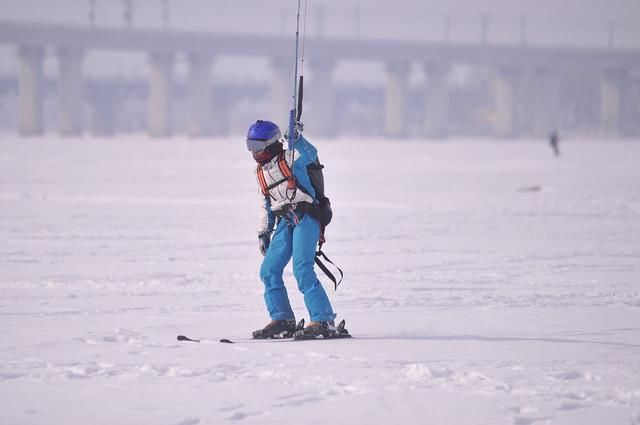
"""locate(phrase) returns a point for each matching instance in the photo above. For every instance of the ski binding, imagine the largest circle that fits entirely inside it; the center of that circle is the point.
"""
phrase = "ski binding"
(319, 332)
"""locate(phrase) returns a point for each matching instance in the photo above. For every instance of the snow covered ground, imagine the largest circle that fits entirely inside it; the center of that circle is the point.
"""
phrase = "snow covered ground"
(486, 283)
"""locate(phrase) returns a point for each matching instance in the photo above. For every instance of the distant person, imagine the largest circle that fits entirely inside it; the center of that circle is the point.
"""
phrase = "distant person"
(294, 203)
(554, 140)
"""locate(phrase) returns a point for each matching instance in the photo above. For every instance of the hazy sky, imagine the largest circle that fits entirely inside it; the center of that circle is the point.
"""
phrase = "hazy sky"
(110, 11)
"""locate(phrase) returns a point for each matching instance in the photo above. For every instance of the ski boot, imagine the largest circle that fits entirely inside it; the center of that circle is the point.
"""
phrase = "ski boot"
(276, 329)
(322, 330)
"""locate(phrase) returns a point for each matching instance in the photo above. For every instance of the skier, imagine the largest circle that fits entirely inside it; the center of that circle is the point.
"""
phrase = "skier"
(554, 139)
(292, 186)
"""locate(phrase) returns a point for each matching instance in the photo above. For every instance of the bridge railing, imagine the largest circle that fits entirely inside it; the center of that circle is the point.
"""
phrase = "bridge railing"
(342, 20)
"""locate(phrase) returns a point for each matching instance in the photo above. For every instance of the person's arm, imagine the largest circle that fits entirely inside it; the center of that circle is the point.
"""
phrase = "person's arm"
(305, 150)
(305, 155)
(311, 169)
(265, 226)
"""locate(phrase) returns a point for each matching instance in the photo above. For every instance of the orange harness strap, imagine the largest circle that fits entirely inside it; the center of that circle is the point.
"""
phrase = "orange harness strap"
(286, 172)
(262, 181)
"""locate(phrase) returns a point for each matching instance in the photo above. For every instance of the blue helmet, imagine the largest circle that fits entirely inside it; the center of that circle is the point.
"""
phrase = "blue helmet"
(262, 134)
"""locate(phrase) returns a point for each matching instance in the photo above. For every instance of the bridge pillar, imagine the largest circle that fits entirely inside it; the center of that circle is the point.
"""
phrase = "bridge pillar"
(103, 101)
(30, 88)
(160, 85)
(436, 101)
(70, 90)
(611, 101)
(321, 96)
(505, 88)
(395, 100)
(526, 101)
(630, 118)
(199, 91)
(281, 90)
(546, 98)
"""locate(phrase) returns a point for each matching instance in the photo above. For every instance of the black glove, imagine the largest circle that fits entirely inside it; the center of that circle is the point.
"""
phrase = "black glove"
(263, 243)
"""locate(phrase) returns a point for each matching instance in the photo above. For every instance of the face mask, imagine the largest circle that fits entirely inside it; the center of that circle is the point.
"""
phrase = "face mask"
(262, 157)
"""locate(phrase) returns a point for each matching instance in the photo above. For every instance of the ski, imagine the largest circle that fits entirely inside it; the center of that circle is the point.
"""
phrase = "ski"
(184, 338)
(298, 335)
(257, 336)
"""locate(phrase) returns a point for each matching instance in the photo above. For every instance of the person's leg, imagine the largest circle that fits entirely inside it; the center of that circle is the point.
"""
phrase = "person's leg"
(277, 257)
(305, 239)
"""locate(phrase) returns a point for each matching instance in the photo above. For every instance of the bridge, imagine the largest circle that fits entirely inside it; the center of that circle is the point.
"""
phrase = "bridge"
(525, 89)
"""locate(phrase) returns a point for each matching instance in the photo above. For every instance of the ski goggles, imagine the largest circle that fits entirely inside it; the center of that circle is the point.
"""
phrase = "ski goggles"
(258, 145)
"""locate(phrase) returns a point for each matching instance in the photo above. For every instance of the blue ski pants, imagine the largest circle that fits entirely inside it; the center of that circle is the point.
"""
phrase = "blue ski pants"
(297, 240)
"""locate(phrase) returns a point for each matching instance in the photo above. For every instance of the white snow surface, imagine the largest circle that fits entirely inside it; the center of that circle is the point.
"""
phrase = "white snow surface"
(485, 283)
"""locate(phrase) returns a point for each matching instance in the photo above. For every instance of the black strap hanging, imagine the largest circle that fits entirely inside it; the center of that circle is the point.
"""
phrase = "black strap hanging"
(325, 269)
